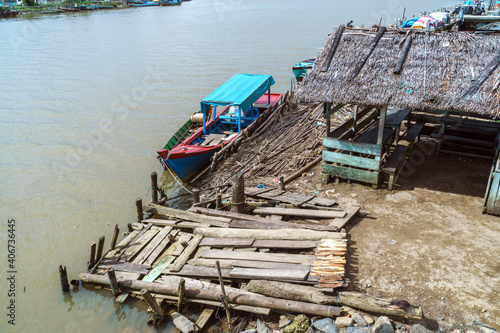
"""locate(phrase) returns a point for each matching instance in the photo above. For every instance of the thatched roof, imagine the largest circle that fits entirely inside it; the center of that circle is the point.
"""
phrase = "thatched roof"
(438, 71)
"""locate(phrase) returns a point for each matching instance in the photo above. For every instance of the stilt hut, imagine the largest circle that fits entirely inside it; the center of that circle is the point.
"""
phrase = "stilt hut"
(449, 79)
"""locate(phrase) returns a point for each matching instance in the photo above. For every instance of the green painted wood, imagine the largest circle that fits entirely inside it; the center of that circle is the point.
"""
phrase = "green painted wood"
(351, 160)
(358, 147)
(351, 173)
(174, 140)
(333, 110)
(155, 272)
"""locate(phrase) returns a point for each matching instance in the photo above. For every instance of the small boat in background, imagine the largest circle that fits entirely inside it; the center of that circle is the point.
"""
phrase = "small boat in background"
(144, 4)
(170, 2)
(50, 11)
(8, 11)
(244, 98)
(300, 69)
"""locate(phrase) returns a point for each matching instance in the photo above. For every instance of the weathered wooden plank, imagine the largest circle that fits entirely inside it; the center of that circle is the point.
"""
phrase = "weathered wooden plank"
(285, 244)
(282, 234)
(185, 215)
(226, 214)
(318, 201)
(183, 258)
(270, 194)
(275, 225)
(259, 256)
(350, 173)
(159, 249)
(122, 245)
(347, 126)
(269, 274)
(125, 267)
(204, 317)
(155, 272)
(226, 242)
(341, 222)
(176, 223)
(201, 271)
(231, 263)
(299, 212)
(367, 121)
(138, 245)
(296, 199)
(351, 160)
(148, 250)
(183, 243)
(358, 147)
(254, 191)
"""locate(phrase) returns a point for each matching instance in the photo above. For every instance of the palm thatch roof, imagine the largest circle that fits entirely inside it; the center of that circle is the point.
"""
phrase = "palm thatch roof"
(437, 73)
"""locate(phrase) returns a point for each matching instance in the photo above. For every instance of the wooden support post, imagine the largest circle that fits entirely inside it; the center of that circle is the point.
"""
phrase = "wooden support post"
(223, 291)
(140, 213)
(215, 160)
(182, 290)
(355, 116)
(238, 199)
(196, 195)
(154, 187)
(282, 183)
(152, 303)
(92, 260)
(218, 201)
(326, 109)
(63, 276)
(100, 247)
(115, 237)
(113, 282)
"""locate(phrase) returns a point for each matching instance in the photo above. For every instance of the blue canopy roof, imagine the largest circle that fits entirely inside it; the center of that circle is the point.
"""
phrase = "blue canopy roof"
(241, 89)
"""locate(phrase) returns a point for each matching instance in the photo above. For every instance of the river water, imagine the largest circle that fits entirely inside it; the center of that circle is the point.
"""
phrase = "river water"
(85, 101)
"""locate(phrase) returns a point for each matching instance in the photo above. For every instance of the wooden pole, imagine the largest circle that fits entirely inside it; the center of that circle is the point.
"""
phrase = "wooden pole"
(113, 282)
(238, 199)
(140, 213)
(182, 290)
(154, 187)
(196, 195)
(92, 260)
(218, 201)
(223, 291)
(485, 74)
(333, 49)
(282, 183)
(403, 54)
(63, 276)
(152, 303)
(100, 247)
(115, 237)
(235, 298)
(363, 61)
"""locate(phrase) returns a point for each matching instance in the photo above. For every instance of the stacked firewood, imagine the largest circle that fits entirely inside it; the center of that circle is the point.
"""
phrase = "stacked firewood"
(330, 255)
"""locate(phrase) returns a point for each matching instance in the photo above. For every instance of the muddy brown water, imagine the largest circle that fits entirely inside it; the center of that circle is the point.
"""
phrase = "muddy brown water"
(87, 99)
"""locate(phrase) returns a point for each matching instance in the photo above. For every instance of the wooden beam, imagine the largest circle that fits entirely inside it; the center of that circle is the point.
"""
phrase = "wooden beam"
(269, 274)
(274, 225)
(232, 263)
(375, 41)
(183, 258)
(259, 256)
(403, 54)
(485, 74)
(226, 242)
(283, 234)
(333, 49)
(299, 212)
(185, 215)
(176, 224)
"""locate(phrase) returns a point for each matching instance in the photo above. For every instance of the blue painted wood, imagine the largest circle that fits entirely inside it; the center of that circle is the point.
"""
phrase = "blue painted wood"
(358, 147)
(351, 160)
(351, 173)
(184, 167)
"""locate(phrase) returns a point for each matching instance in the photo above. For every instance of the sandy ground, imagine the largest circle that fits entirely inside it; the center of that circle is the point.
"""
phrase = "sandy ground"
(427, 242)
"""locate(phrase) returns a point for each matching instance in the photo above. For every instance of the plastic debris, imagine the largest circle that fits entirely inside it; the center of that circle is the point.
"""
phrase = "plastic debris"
(261, 186)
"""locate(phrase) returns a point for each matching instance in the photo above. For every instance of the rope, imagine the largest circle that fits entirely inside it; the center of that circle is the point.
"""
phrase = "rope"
(175, 178)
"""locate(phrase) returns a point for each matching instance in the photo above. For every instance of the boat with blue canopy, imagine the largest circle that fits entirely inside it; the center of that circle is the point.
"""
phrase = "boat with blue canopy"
(244, 100)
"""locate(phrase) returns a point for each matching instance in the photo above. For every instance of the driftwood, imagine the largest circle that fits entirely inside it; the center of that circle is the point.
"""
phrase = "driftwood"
(235, 298)
(283, 234)
(289, 291)
(182, 323)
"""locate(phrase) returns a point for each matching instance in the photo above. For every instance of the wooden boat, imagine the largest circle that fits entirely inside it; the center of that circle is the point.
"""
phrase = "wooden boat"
(244, 98)
(54, 11)
(144, 4)
(8, 11)
(300, 69)
(170, 2)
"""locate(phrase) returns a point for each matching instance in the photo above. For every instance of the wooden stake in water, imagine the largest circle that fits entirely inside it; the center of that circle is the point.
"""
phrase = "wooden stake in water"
(182, 290)
(100, 247)
(113, 282)
(196, 195)
(140, 213)
(154, 187)
(63, 276)
(92, 255)
(115, 237)
(152, 303)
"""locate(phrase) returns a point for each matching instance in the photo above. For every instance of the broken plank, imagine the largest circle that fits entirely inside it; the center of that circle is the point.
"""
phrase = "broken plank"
(282, 234)
(158, 250)
(185, 215)
(270, 194)
(226, 214)
(183, 243)
(274, 225)
(269, 274)
(259, 256)
(205, 316)
(299, 212)
(285, 244)
(138, 245)
(123, 244)
(176, 223)
(228, 263)
(351, 211)
(293, 198)
(226, 242)
(322, 202)
(183, 258)
(155, 272)
(148, 250)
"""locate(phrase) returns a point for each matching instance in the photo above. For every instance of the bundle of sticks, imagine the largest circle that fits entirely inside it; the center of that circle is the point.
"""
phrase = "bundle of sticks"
(330, 255)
